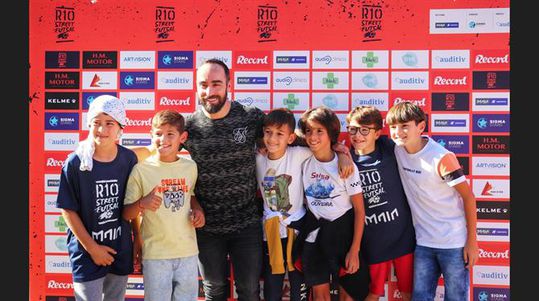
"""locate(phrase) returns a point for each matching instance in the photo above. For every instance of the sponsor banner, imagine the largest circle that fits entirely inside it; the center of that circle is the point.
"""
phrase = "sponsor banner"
(52, 182)
(136, 139)
(450, 80)
(335, 101)
(491, 275)
(450, 123)
(136, 101)
(56, 243)
(181, 101)
(175, 60)
(61, 121)
(88, 97)
(370, 80)
(175, 80)
(330, 80)
(60, 141)
(450, 101)
(59, 284)
(370, 59)
(62, 60)
(410, 80)
(100, 80)
(450, 59)
(490, 166)
(378, 100)
(487, 231)
(409, 59)
(455, 144)
(50, 203)
(84, 122)
(297, 101)
(60, 298)
(490, 144)
(465, 165)
(99, 59)
(493, 101)
(420, 99)
(469, 20)
(291, 81)
(491, 59)
(261, 100)
(491, 188)
(137, 59)
(137, 80)
(342, 119)
(498, 123)
(330, 59)
(57, 264)
(55, 161)
(224, 55)
(61, 100)
(490, 80)
(291, 59)
(139, 122)
(61, 80)
(254, 80)
(491, 294)
(55, 224)
(135, 286)
(493, 210)
(253, 60)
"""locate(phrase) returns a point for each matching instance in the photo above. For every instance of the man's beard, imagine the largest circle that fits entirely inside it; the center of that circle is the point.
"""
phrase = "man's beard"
(213, 108)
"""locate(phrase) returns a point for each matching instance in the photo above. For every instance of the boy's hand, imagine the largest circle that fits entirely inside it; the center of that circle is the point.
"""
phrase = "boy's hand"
(352, 262)
(151, 201)
(471, 254)
(346, 165)
(137, 255)
(197, 218)
(101, 255)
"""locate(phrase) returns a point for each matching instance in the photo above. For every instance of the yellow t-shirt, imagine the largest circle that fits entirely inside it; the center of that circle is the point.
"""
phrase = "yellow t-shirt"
(168, 232)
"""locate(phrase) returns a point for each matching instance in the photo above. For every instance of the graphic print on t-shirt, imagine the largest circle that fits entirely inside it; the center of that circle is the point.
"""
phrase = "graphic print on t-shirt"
(106, 204)
(106, 200)
(372, 185)
(276, 191)
(321, 189)
(173, 191)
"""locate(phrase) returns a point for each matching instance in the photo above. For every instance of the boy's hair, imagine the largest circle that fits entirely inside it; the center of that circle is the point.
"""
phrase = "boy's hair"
(326, 117)
(220, 63)
(365, 115)
(404, 112)
(280, 117)
(169, 117)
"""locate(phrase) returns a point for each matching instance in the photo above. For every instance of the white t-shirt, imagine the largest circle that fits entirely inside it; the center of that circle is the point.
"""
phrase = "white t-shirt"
(437, 208)
(328, 196)
(280, 184)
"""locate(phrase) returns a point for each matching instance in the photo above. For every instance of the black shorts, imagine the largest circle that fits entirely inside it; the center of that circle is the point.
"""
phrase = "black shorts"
(317, 269)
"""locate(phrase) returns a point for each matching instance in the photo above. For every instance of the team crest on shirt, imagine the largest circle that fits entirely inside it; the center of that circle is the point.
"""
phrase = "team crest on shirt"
(240, 135)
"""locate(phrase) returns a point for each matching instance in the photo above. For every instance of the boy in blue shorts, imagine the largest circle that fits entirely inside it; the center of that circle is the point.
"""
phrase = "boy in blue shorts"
(442, 204)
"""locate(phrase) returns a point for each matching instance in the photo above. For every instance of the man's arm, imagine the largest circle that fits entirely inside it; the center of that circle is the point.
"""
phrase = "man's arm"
(143, 152)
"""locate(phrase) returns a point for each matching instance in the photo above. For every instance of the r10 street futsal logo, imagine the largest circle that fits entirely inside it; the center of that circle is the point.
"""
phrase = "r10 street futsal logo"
(64, 23)
(165, 17)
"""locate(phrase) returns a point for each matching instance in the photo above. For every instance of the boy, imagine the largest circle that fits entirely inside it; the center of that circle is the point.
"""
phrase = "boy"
(90, 196)
(333, 225)
(389, 236)
(442, 204)
(160, 189)
(279, 179)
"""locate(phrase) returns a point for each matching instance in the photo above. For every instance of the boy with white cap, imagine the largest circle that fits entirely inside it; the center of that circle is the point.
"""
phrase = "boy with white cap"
(90, 196)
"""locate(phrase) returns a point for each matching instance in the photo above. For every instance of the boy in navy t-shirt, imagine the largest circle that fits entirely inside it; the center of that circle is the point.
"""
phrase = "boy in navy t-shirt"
(91, 196)
(389, 236)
